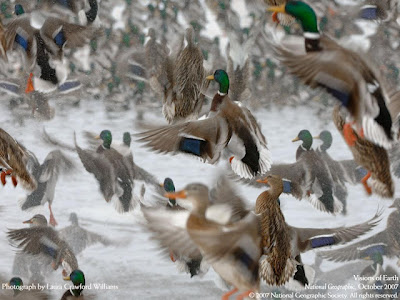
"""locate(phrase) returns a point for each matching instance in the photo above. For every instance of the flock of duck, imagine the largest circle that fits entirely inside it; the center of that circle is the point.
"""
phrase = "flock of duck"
(200, 226)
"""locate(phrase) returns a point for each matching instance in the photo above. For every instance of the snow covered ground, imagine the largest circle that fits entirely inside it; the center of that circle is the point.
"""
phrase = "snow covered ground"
(136, 266)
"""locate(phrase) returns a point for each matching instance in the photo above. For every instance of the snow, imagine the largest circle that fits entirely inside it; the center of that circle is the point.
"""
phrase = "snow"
(135, 265)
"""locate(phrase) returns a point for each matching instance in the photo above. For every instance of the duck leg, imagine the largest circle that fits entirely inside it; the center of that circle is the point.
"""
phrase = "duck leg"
(29, 85)
(275, 17)
(244, 295)
(3, 176)
(365, 184)
(228, 294)
(348, 134)
(171, 256)
(53, 221)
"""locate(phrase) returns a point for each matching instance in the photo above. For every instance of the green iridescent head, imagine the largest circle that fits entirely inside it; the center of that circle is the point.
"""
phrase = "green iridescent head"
(19, 10)
(106, 137)
(376, 257)
(302, 12)
(326, 137)
(126, 138)
(16, 283)
(306, 137)
(169, 187)
(78, 279)
(222, 78)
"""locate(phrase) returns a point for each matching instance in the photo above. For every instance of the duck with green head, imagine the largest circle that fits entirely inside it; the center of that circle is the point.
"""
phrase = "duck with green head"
(228, 125)
(78, 280)
(111, 169)
(321, 178)
(343, 73)
(169, 187)
(17, 285)
(307, 139)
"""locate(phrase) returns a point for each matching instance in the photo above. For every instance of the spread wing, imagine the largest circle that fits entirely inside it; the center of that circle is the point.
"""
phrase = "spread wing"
(169, 229)
(203, 138)
(101, 168)
(332, 236)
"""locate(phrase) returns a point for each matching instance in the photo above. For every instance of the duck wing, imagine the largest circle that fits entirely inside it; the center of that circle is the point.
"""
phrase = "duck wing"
(315, 238)
(203, 138)
(101, 168)
(169, 229)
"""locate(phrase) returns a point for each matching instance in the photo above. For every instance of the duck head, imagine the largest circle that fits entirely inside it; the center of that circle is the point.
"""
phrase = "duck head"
(126, 139)
(222, 78)
(376, 257)
(306, 137)
(302, 12)
(78, 279)
(275, 183)
(16, 283)
(169, 187)
(36, 220)
(326, 137)
(18, 9)
(106, 137)
(196, 193)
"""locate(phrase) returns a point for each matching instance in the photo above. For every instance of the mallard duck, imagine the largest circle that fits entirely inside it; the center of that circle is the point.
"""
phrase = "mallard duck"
(169, 187)
(228, 125)
(189, 83)
(387, 241)
(46, 175)
(17, 286)
(322, 177)
(75, 292)
(79, 238)
(372, 157)
(42, 239)
(137, 173)
(282, 244)
(232, 249)
(180, 80)
(13, 158)
(344, 74)
(300, 179)
(34, 267)
(117, 179)
(192, 265)
(342, 171)
(38, 36)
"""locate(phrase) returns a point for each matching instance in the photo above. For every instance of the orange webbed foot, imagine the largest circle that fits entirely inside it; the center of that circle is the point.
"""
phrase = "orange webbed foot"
(349, 135)
(14, 181)
(171, 256)
(365, 184)
(230, 159)
(3, 178)
(228, 294)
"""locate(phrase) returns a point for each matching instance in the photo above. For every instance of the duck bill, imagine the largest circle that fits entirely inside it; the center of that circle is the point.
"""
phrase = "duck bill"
(97, 137)
(27, 221)
(277, 9)
(162, 185)
(178, 195)
(296, 139)
(366, 258)
(67, 278)
(316, 137)
(211, 77)
(265, 180)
